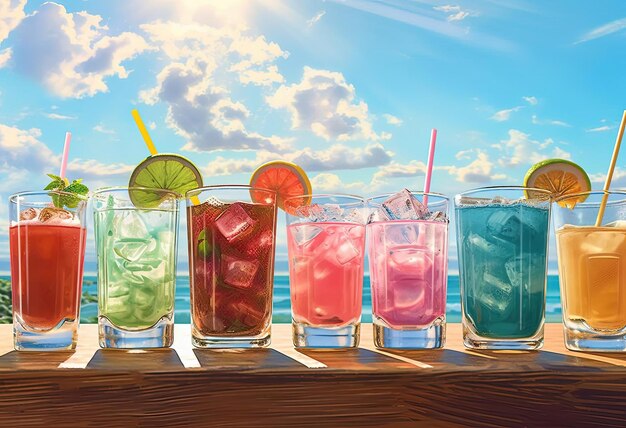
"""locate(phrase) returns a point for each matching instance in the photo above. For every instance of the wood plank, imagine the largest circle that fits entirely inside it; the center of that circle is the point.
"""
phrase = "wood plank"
(273, 387)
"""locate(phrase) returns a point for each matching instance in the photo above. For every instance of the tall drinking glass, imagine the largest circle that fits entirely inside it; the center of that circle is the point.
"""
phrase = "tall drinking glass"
(231, 236)
(47, 247)
(136, 249)
(502, 241)
(592, 270)
(408, 276)
(325, 241)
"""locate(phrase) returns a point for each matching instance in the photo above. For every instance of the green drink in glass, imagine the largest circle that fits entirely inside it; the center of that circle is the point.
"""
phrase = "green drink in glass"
(136, 250)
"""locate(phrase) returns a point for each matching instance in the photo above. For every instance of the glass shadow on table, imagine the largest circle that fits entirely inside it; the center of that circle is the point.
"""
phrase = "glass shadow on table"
(354, 359)
(30, 360)
(245, 359)
(136, 360)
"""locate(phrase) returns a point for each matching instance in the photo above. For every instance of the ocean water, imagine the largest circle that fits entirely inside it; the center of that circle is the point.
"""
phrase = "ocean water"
(282, 307)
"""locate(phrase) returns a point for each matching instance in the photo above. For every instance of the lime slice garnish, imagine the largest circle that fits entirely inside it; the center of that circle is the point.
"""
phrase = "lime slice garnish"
(162, 171)
(561, 178)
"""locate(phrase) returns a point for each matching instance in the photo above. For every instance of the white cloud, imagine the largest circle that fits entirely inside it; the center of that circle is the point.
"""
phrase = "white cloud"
(538, 121)
(5, 56)
(21, 149)
(103, 129)
(71, 53)
(57, 116)
(504, 115)
(520, 149)
(603, 30)
(199, 109)
(90, 169)
(533, 101)
(464, 154)
(255, 54)
(327, 182)
(11, 13)
(392, 120)
(22, 154)
(395, 170)
(315, 19)
(478, 170)
(600, 129)
(618, 181)
(453, 12)
(324, 103)
(336, 157)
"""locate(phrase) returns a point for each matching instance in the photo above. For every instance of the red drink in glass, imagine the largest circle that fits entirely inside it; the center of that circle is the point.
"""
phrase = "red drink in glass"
(47, 267)
(47, 248)
(231, 248)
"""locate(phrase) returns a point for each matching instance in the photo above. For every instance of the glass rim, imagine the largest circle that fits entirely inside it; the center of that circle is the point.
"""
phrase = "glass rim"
(99, 191)
(488, 188)
(327, 195)
(417, 192)
(14, 197)
(199, 190)
(593, 192)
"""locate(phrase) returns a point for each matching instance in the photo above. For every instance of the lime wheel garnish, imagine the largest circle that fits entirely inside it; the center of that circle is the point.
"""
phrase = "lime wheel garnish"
(162, 171)
(561, 178)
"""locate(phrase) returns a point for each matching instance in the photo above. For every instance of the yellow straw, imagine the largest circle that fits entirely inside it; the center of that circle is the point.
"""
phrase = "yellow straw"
(146, 138)
(144, 132)
(609, 175)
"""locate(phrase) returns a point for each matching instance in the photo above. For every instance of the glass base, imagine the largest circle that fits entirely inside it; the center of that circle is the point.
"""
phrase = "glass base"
(587, 339)
(432, 337)
(160, 335)
(216, 342)
(307, 336)
(62, 337)
(474, 341)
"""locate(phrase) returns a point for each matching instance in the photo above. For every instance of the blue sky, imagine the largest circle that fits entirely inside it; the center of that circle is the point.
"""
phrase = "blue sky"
(348, 89)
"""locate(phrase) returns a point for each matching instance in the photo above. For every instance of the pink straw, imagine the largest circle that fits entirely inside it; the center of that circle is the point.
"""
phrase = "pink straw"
(66, 152)
(429, 167)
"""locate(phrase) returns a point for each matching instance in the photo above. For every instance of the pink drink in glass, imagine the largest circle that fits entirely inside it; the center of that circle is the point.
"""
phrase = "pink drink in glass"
(408, 275)
(326, 272)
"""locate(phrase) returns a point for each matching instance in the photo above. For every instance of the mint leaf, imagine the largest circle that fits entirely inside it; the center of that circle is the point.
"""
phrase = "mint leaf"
(76, 187)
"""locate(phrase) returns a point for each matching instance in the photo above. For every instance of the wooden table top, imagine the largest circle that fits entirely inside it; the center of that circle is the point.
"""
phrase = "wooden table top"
(281, 386)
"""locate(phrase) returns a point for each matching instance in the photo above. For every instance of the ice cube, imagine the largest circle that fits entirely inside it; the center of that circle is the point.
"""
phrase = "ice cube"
(214, 202)
(468, 200)
(346, 251)
(305, 233)
(526, 271)
(234, 222)
(356, 215)
(377, 215)
(404, 206)
(237, 272)
(504, 225)
(409, 276)
(259, 245)
(326, 212)
(499, 250)
(131, 249)
(54, 215)
(28, 214)
(496, 294)
(401, 233)
(130, 225)
(438, 216)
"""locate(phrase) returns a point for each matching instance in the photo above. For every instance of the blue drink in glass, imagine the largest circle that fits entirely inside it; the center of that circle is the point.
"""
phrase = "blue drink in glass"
(502, 245)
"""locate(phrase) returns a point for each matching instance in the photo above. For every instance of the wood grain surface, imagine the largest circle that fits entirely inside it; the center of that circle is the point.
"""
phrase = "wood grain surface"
(283, 387)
